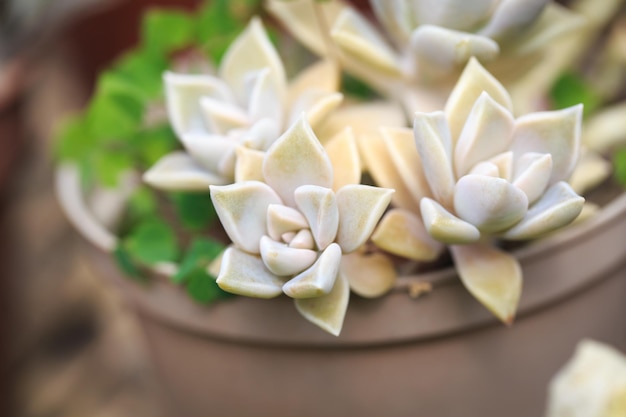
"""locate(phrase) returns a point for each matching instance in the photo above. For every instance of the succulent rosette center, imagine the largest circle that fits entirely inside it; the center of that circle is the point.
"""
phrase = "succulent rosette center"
(291, 232)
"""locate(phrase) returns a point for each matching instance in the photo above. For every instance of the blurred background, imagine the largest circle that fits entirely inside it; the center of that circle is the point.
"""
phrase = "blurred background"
(69, 346)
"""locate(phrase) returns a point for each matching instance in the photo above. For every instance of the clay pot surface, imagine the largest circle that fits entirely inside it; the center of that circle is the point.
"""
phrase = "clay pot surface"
(441, 354)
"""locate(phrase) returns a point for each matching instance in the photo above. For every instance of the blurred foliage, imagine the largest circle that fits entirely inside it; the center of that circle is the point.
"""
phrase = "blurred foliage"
(114, 135)
(619, 164)
(571, 89)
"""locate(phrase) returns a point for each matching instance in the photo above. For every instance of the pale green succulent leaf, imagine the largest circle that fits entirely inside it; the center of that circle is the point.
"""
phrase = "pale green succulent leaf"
(245, 274)
(492, 276)
(327, 311)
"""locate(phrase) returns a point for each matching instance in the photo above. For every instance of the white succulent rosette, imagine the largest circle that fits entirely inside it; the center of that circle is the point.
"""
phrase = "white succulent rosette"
(424, 43)
(248, 104)
(299, 232)
(472, 175)
(591, 384)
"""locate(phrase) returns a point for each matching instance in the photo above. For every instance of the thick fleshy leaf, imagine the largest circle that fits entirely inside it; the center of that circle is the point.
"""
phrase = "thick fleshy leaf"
(504, 162)
(558, 207)
(400, 144)
(319, 207)
(554, 132)
(183, 93)
(591, 384)
(446, 227)
(242, 210)
(473, 81)
(177, 171)
(266, 100)
(556, 21)
(319, 279)
(250, 52)
(261, 135)
(590, 171)
(245, 274)
(323, 76)
(222, 117)
(303, 240)
(532, 173)
(383, 169)
(302, 19)
(215, 153)
(402, 233)
(491, 275)
(395, 17)
(433, 142)
(369, 275)
(360, 209)
(486, 133)
(513, 16)
(453, 14)
(282, 219)
(486, 168)
(327, 311)
(297, 158)
(316, 105)
(491, 204)
(344, 157)
(605, 129)
(440, 49)
(249, 164)
(364, 118)
(356, 37)
(283, 260)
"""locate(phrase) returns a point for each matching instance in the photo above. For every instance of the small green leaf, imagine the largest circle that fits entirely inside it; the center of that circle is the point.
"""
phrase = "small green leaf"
(199, 255)
(152, 144)
(109, 165)
(195, 210)
(571, 89)
(164, 30)
(619, 163)
(113, 116)
(219, 23)
(126, 263)
(152, 241)
(203, 288)
(74, 141)
(142, 202)
(143, 72)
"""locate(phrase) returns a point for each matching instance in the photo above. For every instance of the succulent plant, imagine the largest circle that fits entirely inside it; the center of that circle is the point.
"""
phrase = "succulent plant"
(472, 175)
(591, 384)
(247, 104)
(424, 44)
(293, 233)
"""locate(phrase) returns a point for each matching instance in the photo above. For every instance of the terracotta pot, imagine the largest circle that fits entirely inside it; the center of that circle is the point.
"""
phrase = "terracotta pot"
(439, 355)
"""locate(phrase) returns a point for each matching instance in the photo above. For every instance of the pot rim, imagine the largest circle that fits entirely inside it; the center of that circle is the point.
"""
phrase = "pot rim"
(456, 311)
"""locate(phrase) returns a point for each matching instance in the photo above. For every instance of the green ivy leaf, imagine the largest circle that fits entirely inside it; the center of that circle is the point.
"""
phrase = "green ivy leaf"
(199, 255)
(152, 241)
(218, 26)
(126, 263)
(571, 89)
(109, 165)
(619, 164)
(195, 210)
(203, 288)
(142, 71)
(74, 142)
(166, 30)
(152, 144)
(113, 116)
